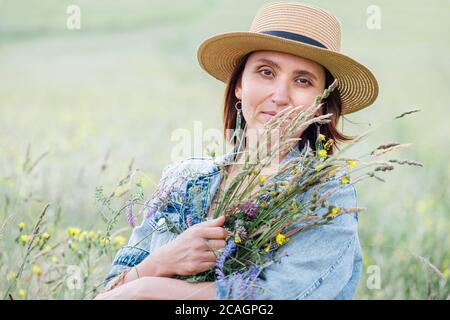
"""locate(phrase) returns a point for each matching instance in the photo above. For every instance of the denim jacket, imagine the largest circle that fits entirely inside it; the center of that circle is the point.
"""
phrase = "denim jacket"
(321, 263)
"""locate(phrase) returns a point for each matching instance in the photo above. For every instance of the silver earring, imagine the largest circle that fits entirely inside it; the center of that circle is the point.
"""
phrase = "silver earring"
(238, 133)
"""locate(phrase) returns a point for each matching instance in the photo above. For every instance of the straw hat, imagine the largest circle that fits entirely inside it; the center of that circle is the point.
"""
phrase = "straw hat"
(298, 29)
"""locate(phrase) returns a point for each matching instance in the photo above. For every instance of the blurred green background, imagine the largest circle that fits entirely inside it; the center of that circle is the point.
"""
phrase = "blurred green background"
(91, 100)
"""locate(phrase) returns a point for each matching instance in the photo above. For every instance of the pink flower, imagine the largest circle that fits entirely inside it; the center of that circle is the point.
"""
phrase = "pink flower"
(250, 208)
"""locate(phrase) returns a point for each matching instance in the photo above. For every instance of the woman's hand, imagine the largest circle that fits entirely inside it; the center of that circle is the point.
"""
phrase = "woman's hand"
(193, 251)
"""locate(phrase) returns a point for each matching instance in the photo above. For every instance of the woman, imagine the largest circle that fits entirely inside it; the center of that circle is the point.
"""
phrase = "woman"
(288, 57)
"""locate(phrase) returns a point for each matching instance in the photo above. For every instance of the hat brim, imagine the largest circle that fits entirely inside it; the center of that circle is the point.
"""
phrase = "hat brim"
(357, 85)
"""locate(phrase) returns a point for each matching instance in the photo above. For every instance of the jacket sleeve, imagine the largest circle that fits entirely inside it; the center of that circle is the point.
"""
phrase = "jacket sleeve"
(138, 246)
(321, 263)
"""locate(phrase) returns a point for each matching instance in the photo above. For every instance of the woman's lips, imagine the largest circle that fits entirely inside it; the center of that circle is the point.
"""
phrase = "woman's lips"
(266, 115)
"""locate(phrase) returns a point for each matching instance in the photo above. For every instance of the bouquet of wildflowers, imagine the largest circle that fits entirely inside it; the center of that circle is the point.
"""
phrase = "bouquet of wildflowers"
(263, 211)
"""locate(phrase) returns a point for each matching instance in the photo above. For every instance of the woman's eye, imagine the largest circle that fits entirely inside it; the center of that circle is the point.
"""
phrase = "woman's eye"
(304, 81)
(268, 72)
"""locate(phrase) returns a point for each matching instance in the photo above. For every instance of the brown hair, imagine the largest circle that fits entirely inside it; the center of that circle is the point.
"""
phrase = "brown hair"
(332, 105)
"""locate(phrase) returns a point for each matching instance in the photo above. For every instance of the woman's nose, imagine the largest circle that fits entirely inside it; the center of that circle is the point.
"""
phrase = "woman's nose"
(281, 95)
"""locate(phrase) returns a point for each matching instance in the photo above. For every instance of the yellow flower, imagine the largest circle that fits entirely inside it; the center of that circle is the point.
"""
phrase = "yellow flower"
(119, 241)
(237, 239)
(319, 167)
(351, 164)
(295, 170)
(74, 232)
(328, 144)
(322, 137)
(262, 178)
(344, 180)
(73, 246)
(104, 241)
(11, 275)
(334, 212)
(322, 153)
(91, 234)
(46, 236)
(55, 260)
(263, 203)
(24, 239)
(82, 236)
(36, 270)
(36, 239)
(22, 293)
(267, 247)
(281, 239)
(21, 226)
(294, 206)
(447, 273)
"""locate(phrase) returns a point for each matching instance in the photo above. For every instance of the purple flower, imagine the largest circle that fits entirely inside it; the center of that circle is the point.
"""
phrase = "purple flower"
(242, 233)
(220, 262)
(130, 216)
(246, 289)
(250, 208)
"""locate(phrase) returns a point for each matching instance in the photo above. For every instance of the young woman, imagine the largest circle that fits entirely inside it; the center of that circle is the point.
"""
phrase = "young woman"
(289, 56)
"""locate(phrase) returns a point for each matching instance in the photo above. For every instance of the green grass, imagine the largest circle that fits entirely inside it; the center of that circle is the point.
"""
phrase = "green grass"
(116, 89)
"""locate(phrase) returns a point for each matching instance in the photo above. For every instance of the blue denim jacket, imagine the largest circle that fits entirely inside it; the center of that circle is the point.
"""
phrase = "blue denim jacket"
(322, 263)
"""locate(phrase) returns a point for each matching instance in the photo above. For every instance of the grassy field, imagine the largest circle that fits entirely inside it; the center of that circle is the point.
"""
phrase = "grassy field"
(80, 108)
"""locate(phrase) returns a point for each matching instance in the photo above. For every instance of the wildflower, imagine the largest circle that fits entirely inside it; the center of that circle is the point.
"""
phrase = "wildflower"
(334, 212)
(267, 247)
(55, 260)
(262, 178)
(91, 234)
(250, 208)
(220, 262)
(22, 293)
(241, 233)
(119, 241)
(11, 275)
(281, 239)
(295, 170)
(351, 164)
(73, 246)
(322, 153)
(237, 239)
(130, 216)
(294, 206)
(328, 144)
(82, 236)
(21, 226)
(36, 239)
(104, 241)
(73, 232)
(23, 239)
(36, 270)
(45, 236)
(263, 203)
(447, 273)
(321, 137)
(344, 180)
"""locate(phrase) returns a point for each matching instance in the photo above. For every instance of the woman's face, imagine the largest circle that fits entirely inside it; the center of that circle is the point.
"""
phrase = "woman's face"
(272, 80)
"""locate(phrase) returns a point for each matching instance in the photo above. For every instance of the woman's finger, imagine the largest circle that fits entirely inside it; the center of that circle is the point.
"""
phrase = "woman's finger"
(213, 233)
(215, 244)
